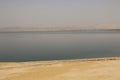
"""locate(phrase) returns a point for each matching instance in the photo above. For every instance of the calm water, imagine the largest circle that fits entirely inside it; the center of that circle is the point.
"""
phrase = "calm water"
(42, 46)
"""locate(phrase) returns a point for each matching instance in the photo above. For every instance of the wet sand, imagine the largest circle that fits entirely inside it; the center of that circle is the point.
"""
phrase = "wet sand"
(79, 69)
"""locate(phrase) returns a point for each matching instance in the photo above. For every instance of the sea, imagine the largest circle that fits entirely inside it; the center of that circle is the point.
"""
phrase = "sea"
(44, 46)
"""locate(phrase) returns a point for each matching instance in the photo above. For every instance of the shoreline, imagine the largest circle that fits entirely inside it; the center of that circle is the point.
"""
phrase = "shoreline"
(69, 60)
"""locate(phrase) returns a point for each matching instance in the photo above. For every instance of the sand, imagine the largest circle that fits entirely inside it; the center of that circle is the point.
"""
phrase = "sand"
(86, 69)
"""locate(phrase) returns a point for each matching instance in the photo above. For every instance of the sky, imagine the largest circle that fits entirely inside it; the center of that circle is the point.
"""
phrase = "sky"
(58, 12)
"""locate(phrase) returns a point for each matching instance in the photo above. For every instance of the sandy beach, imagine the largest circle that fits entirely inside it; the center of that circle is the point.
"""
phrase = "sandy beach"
(79, 69)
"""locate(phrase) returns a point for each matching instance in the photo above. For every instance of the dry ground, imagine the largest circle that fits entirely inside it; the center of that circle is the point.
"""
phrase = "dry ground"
(92, 69)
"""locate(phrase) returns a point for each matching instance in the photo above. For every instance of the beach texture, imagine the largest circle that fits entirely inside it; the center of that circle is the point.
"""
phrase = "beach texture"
(83, 69)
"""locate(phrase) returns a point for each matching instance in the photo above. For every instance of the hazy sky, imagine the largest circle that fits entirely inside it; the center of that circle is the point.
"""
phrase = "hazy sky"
(65, 12)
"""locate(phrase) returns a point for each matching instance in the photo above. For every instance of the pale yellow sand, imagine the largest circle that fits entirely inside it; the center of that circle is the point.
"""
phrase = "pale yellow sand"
(93, 69)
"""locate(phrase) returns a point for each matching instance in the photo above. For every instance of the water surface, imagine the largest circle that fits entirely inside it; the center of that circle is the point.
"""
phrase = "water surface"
(32, 46)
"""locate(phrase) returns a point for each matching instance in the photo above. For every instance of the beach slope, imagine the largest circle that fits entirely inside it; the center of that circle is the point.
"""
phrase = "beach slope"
(86, 69)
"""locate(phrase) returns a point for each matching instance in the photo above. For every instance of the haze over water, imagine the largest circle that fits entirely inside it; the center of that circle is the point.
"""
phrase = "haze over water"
(19, 16)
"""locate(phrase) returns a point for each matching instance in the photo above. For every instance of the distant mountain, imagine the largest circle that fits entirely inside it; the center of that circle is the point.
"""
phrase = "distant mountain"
(60, 28)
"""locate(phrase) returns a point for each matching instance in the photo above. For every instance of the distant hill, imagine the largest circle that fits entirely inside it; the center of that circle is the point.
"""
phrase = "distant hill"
(60, 28)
